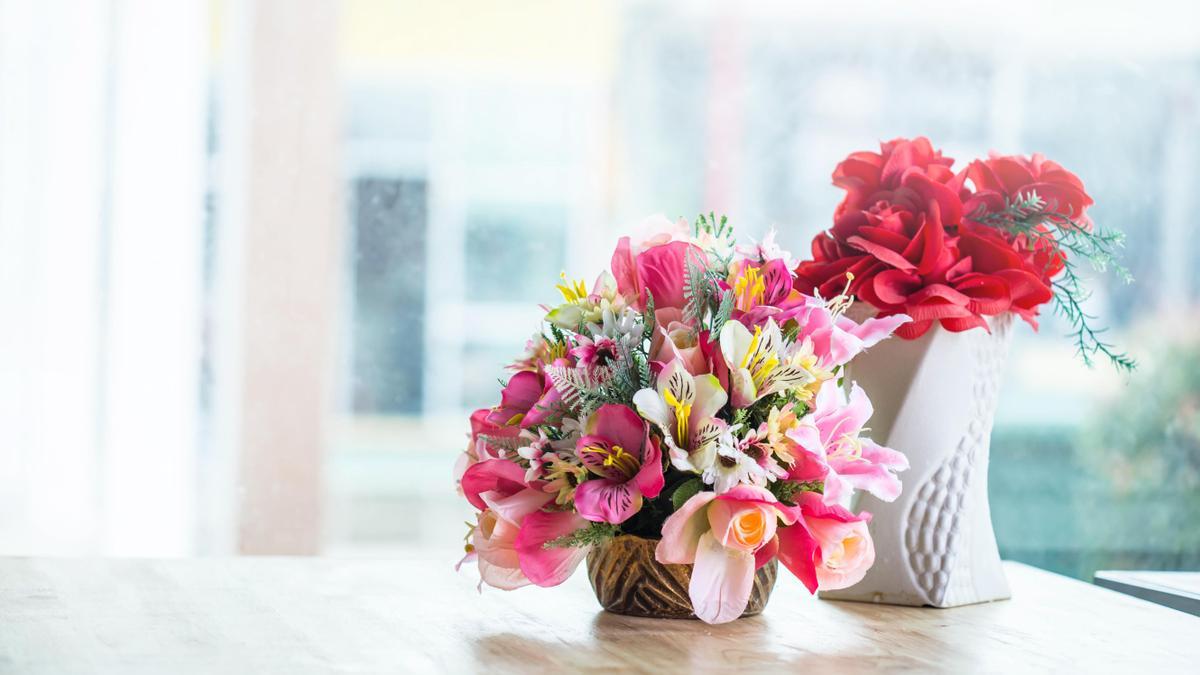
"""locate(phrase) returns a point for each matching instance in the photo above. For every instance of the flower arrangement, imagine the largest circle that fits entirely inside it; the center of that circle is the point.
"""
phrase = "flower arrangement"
(692, 395)
(1001, 235)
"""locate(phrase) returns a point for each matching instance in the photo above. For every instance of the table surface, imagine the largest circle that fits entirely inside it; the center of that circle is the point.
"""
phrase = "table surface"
(301, 615)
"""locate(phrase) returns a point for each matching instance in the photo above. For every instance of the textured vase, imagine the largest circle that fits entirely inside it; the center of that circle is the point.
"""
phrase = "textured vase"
(934, 399)
(628, 580)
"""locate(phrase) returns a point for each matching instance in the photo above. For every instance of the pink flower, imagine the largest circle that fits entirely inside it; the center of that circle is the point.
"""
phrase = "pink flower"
(511, 555)
(548, 566)
(828, 547)
(595, 353)
(494, 542)
(673, 339)
(512, 528)
(527, 400)
(836, 340)
(499, 485)
(833, 451)
(617, 448)
(726, 537)
(658, 271)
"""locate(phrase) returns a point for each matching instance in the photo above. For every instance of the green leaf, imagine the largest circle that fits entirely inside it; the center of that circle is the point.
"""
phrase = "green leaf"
(594, 533)
(786, 490)
(648, 321)
(1031, 219)
(685, 492)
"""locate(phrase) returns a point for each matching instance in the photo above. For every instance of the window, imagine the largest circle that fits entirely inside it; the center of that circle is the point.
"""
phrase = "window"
(257, 296)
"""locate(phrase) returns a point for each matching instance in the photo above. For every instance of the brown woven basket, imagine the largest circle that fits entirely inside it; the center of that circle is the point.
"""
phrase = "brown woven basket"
(628, 580)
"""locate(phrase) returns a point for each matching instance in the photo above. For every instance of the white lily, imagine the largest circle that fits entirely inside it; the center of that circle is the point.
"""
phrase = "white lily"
(603, 306)
(761, 363)
(684, 408)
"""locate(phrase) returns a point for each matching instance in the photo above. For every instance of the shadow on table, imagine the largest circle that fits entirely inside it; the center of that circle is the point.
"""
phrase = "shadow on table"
(668, 645)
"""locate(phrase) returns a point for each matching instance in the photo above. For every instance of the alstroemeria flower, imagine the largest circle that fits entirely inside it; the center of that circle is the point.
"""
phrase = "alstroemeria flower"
(741, 461)
(760, 283)
(760, 363)
(683, 406)
(595, 353)
(830, 436)
(828, 548)
(733, 466)
(499, 485)
(726, 538)
(617, 448)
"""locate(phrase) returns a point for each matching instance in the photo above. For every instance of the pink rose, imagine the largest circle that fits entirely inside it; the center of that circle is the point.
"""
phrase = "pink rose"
(828, 547)
(494, 541)
(512, 528)
(674, 339)
(847, 551)
(726, 538)
(658, 271)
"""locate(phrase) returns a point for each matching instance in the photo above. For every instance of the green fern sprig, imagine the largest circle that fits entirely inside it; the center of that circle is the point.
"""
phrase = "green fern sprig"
(697, 291)
(721, 316)
(1028, 215)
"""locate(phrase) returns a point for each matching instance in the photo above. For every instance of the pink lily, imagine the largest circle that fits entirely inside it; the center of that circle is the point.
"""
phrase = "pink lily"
(726, 538)
(549, 566)
(829, 437)
(499, 485)
(529, 399)
(828, 547)
(617, 448)
(837, 339)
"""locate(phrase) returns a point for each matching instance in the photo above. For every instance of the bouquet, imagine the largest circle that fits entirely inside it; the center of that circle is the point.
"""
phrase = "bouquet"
(692, 396)
(1001, 235)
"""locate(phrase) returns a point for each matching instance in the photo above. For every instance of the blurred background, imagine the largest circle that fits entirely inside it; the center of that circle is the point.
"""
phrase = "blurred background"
(258, 259)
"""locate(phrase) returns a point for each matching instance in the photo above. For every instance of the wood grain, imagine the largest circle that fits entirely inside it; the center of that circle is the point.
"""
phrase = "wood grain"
(628, 580)
(415, 615)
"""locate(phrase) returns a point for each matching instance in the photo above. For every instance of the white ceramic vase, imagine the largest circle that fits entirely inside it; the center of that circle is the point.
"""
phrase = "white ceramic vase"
(934, 398)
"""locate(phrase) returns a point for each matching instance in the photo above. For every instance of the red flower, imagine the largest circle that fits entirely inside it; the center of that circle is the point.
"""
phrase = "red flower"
(1010, 176)
(905, 238)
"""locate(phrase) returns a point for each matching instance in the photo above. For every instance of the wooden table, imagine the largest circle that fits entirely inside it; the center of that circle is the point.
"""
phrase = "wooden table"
(296, 615)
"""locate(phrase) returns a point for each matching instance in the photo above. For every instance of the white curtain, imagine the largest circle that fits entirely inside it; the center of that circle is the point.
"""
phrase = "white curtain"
(102, 160)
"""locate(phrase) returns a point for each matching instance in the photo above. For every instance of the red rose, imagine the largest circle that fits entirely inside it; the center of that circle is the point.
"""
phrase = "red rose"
(868, 177)
(889, 233)
(905, 237)
(1000, 177)
(1028, 262)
